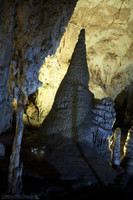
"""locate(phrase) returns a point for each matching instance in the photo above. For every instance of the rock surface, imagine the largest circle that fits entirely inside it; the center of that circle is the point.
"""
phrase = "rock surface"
(29, 31)
(6, 51)
(70, 115)
(128, 152)
(65, 161)
(109, 41)
(115, 150)
(104, 118)
(35, 29)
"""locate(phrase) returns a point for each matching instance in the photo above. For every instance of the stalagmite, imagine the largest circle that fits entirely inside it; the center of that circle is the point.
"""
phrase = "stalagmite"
(70, 115)
(128, 152)
(115, 149)
(15, 168)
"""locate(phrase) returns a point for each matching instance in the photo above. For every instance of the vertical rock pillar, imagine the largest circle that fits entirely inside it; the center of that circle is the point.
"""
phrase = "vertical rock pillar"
(15, 168)
(115, 151)
(128, 152)
(73, 101)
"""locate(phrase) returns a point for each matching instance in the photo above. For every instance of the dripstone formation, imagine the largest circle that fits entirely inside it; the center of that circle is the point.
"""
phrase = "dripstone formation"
(104, 118)
(115, 150)
(70, 115)
(128, 152)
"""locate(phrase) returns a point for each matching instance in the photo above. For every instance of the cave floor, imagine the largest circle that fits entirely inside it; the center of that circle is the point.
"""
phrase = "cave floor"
(60, 170)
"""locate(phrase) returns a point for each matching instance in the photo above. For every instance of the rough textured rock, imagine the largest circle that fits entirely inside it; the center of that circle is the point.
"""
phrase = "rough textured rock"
(104, 118)
(34, 29)
(115, 149)
(6, 51)
(109, 40)
(128, 152)
(70, 115)
(37, 30)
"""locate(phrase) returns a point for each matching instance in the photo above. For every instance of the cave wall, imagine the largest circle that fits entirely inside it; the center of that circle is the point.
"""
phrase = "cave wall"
(109, 47)
(6, 51)
(40, 37)
(29, 31)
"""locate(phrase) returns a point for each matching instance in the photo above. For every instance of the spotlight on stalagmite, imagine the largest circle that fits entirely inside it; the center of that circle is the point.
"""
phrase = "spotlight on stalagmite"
(70, 115)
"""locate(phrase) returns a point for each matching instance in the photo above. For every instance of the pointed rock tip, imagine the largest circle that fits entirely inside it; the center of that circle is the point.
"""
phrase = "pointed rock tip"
(82, 34)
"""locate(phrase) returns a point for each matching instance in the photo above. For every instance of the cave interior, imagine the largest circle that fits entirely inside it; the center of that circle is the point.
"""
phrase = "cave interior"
(66, 99)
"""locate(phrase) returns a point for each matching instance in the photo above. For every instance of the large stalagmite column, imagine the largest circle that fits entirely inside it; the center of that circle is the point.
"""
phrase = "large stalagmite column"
(73, 100)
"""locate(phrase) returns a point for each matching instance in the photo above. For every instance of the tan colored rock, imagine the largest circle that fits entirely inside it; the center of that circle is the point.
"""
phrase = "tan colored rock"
(109, 46)
(70, 116)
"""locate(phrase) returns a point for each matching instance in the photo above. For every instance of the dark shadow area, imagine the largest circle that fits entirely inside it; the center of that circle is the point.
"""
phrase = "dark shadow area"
(124, 108)
(63, 171)
(124, 112)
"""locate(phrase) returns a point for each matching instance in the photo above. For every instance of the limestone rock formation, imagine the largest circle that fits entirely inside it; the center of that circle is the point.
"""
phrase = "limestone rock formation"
(104, 118)
(109, 40)
(71, 111)
(35, 30)
(6, 51)
(29, 31)
(38, 30)
(115, 149)
(128, 152)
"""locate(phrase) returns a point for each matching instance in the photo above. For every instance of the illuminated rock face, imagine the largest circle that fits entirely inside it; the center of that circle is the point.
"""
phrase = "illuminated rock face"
(128, 152)
(109, 49)
(71, 111)
(32, 30)
(38, 28)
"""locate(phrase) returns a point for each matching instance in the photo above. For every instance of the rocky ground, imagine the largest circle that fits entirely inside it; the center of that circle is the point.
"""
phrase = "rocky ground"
(63, 171)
